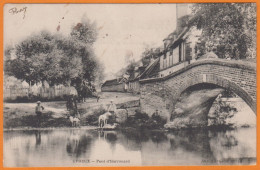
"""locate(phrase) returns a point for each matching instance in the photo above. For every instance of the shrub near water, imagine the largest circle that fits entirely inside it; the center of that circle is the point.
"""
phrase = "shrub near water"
(31, 121)
(141, 120)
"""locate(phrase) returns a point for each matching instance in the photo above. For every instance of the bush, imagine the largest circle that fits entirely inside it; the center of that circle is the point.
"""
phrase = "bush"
(141, 121)
(141, 115)
(21, 99)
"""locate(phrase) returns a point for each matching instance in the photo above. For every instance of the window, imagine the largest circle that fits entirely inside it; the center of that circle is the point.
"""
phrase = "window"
(180, 53)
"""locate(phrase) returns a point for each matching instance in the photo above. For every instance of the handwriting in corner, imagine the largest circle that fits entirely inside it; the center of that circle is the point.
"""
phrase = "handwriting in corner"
(15, 11)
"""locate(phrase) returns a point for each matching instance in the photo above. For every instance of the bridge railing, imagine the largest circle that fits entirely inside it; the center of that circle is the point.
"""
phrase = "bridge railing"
(244, 65)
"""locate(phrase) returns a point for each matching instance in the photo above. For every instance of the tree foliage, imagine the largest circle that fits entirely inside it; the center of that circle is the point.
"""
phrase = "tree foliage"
(85, 31)
(146, 58)
(229, 29)
(128, 70)
(148, 54)
(57, 59)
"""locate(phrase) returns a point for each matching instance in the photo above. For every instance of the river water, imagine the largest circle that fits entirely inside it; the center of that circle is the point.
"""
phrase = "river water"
(81, 147)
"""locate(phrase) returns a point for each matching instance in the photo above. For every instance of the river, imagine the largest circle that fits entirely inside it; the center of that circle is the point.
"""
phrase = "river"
(86, 147)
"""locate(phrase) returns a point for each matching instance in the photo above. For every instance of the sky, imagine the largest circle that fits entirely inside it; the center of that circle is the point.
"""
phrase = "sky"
(124, 29)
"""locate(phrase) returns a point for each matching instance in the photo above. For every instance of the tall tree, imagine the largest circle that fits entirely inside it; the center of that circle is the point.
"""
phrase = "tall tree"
(227, 28)
(57, 59)
(30, 58)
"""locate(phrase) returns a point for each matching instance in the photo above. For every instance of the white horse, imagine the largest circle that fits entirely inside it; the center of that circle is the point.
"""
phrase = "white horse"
(74, 121)
(103, 118)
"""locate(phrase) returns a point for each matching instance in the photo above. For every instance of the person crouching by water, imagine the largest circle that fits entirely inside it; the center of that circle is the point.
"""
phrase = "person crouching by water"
(38, 111)
(112, 109)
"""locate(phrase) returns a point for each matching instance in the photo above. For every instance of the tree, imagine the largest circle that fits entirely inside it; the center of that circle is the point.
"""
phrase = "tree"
(31, 58)
(229, 29)
(129, 69)
(149, 54)
(57, 59)
(146, 58)
(7, 59)
(223, 112)
(85, 31)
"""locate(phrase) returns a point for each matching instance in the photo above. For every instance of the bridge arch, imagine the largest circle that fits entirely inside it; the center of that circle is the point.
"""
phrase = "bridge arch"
(221, 82)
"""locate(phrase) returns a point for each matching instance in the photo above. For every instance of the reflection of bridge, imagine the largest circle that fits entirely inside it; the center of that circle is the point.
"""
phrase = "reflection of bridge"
(163, 93)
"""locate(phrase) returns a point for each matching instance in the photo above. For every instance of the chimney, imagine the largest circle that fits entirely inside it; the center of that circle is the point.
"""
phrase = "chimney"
(182, 9)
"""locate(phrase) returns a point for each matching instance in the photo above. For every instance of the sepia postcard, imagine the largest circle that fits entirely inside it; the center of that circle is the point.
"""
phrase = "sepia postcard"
(129, 85)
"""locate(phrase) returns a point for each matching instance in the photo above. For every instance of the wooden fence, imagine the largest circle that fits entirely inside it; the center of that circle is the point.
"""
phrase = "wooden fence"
(12, 93)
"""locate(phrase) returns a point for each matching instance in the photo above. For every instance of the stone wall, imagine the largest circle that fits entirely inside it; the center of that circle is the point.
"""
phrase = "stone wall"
(130, 106)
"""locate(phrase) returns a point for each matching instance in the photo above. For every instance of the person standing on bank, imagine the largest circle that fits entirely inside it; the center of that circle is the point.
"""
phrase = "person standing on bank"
(38, 111)
(112, 109)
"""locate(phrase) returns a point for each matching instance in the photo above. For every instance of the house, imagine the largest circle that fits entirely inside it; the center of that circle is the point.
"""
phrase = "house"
(179, 50)
(115, 85)
(179, 46)
(150, 71)
(133, 81)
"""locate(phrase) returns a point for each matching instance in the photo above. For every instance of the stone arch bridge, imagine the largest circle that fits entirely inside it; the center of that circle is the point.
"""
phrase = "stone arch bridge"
(163, 93)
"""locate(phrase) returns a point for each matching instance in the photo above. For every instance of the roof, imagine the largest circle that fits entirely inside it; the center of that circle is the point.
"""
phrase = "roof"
(174, 42)
(113, 82)
(149, 68)
(139, 71)
(170, 36)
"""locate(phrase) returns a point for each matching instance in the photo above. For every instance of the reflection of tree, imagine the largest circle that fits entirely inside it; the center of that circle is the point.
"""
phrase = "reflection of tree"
(158, 137)
(193, 141)
(229, 142)
(229, 147)
(134, 139)
(111, 138)
(137, 136)
(225, 139)
(78, 144)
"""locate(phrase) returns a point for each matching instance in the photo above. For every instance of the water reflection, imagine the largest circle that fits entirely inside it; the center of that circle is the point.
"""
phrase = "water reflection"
(95, 148)
(38, 137)
(78, 144)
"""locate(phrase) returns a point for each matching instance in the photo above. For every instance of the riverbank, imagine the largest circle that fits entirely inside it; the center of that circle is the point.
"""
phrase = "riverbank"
(22, 115)
(23, 118)
(55, 114)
